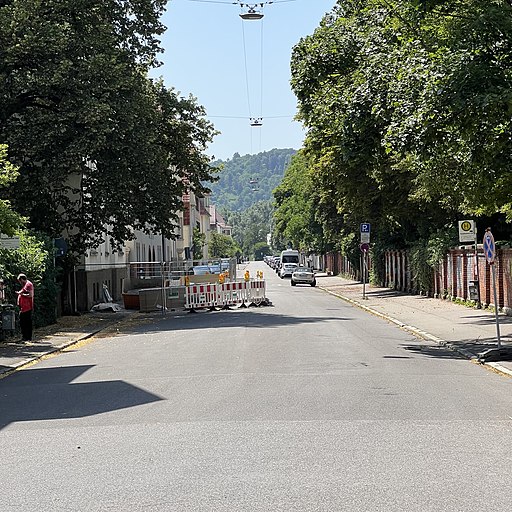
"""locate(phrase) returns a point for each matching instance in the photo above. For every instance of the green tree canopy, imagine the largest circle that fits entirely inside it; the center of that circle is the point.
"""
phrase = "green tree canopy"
(9, 219)
(222, 246)
(297, 219)
(407, 105)
(99, 146)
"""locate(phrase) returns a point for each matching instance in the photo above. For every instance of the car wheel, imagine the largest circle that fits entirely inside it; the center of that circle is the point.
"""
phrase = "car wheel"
(313, 283)
(293, 282)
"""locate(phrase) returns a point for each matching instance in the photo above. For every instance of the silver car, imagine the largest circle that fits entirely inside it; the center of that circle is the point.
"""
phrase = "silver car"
(303, 275)
(287, 270)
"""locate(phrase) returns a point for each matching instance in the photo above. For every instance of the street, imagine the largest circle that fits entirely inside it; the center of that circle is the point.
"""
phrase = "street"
(309, 405)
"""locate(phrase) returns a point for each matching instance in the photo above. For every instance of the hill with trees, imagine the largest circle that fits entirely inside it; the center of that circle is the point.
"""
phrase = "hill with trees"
(249, 179)
(244, 194)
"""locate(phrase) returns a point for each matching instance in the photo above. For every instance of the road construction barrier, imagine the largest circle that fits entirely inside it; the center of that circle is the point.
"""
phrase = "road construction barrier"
(199, 296)
(225, 295)
(257, 293)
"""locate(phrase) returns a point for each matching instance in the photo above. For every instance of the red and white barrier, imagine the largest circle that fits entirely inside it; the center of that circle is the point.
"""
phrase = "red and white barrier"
(257, 292)
(198, 296)
(235, 293)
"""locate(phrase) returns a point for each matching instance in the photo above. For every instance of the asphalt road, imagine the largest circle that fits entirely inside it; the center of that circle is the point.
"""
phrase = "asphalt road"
(309, 405)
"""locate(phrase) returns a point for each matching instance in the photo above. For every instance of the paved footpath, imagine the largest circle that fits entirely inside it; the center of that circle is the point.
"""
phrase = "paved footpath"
(468, 331)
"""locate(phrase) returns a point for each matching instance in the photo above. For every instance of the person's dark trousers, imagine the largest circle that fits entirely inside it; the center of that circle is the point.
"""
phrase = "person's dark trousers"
(26, 325)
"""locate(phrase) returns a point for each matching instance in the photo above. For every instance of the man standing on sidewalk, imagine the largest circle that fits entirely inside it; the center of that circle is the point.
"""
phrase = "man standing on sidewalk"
(26, 304)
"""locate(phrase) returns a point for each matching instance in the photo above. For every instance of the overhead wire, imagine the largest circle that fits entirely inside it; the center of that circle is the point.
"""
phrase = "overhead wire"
(261, 80)
(247, 80)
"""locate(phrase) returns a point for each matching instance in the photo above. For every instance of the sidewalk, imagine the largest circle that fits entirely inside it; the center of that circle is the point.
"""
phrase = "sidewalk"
(468, 331)
(67, 331)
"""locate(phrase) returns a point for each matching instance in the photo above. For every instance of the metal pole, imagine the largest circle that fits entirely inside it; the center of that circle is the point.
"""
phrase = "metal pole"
(496, 306)
(162, 272)
(163, 290)
(476, 272)
(364, 274)
(74, 290)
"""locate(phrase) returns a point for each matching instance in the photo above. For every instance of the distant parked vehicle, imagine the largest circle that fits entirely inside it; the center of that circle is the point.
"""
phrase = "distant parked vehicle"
(289, 256)
(287, 270)
(201, 270)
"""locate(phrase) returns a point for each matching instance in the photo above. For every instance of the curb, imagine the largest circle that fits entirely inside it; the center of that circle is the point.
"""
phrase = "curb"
(496, 367)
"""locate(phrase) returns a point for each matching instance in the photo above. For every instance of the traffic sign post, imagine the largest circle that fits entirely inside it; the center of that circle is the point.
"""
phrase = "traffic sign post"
(364, 229)
(467, 231)
(490, 256)
(364, 249)
(468, 234)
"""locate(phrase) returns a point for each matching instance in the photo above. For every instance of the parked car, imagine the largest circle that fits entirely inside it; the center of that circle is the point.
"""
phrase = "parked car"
(287, 270)
(201, 270)
(303, 275)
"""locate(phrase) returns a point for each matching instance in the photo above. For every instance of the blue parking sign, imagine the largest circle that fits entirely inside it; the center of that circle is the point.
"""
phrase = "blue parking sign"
(365, 227)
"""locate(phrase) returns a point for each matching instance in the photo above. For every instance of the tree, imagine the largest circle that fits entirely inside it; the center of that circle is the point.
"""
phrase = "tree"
(222, 246)
(297, 220)
(407, 109)
(261, 249)
(99, 146)
(35, 258)
(9, 219)
(246, 180)
(251, 226)
(198, 241)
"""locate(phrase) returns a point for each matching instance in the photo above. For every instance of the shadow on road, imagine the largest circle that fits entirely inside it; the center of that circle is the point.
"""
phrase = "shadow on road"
(49, 393)
(248, 318)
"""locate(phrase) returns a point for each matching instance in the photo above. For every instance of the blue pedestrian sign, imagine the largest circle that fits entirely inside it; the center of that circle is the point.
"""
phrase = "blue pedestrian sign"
(489, 247)
(365, 227)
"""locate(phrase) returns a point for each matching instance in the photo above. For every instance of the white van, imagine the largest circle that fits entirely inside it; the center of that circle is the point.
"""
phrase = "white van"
(289, 256)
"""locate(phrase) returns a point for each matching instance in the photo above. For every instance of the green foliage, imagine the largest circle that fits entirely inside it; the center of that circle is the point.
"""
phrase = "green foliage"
(198, 241)
(421, 271)
(96, 142)
(9, 219)
(222, 246)
(439, 243)
(297, 221)
(234, 190)
(251, 226)
(407, 106)
(35, 258)
(261, 249)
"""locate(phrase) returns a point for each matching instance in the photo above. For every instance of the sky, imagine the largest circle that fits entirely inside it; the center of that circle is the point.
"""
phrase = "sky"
(239, 70)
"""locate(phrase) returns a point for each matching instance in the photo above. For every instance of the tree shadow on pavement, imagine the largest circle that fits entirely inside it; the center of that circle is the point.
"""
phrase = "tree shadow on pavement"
(49, 393)
(488, 319)
(434, 351)
(248, 318)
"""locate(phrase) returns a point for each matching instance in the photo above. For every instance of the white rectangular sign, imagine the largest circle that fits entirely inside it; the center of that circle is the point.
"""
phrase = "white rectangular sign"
(9, 242)
(467, 231)
(365, 238)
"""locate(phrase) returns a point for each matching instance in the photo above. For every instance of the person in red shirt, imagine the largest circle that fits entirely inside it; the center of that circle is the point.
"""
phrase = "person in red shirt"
(26, 304)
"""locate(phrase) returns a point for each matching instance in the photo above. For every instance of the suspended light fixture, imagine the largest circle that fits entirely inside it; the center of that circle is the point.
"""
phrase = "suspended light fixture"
(252, 13)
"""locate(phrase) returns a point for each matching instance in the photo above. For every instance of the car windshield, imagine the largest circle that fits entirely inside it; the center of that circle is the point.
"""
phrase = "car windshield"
(201, 270)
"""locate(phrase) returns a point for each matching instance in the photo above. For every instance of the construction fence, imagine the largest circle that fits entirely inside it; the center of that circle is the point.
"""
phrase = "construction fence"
(226, 295)
(457, 277)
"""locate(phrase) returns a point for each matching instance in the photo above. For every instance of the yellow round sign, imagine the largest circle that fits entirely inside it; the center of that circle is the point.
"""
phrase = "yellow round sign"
(466, 226)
